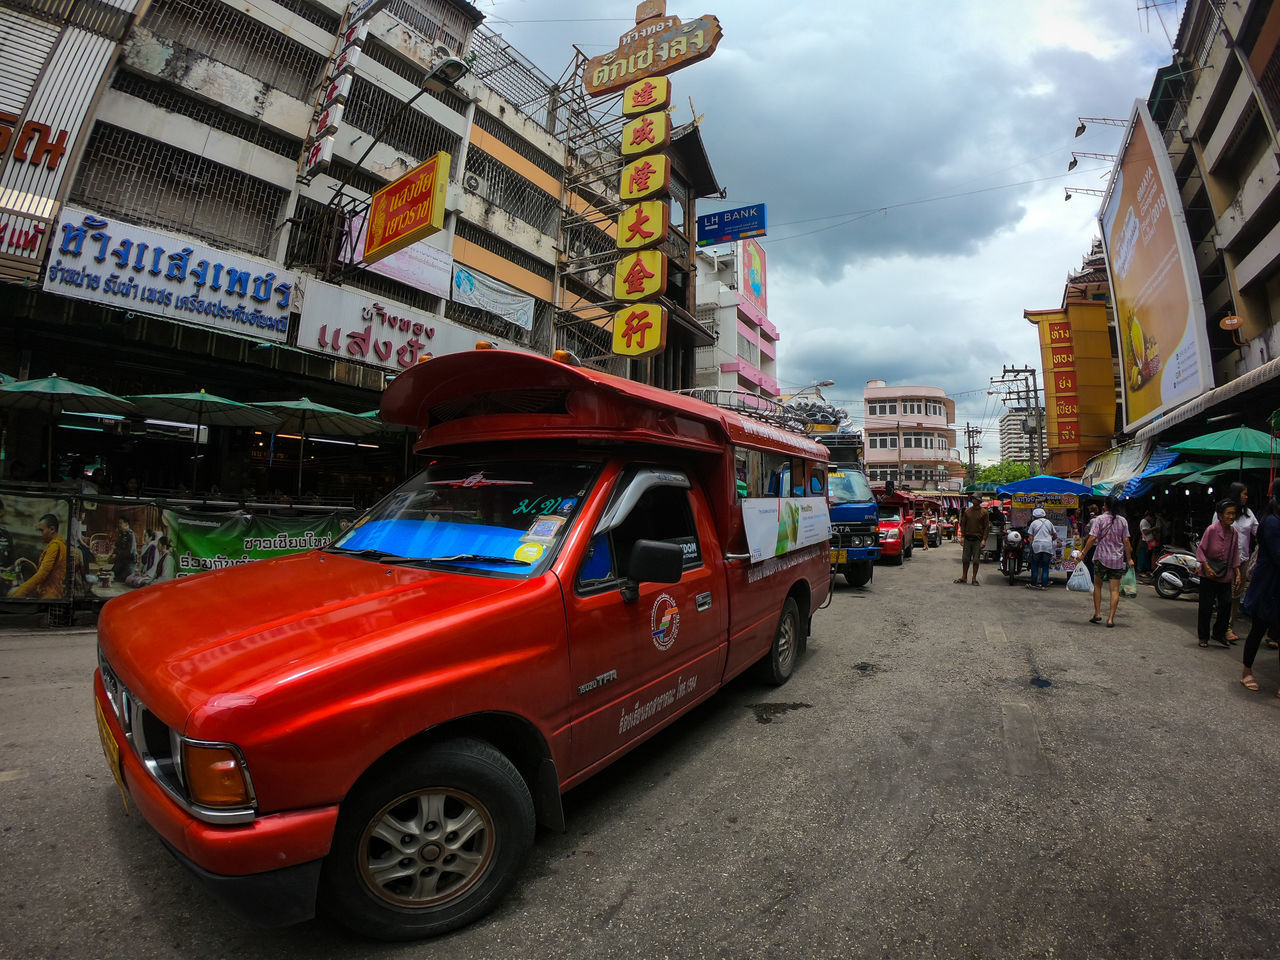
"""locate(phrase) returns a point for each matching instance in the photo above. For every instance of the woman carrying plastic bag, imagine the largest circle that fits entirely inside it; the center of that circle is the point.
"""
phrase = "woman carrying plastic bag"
(1109, 533)
(1129, 584)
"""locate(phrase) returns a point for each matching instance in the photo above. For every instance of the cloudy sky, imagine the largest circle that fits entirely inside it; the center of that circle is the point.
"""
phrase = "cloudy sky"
(913, 157)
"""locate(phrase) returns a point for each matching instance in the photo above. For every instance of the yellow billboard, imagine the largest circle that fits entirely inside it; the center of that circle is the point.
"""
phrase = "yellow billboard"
(1159, 308)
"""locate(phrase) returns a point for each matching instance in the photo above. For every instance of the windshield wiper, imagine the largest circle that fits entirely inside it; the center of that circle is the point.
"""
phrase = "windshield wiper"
(379, 556)
(473, 557)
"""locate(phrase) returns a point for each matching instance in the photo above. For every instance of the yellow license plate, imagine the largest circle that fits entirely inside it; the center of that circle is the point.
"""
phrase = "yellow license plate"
(112, 751)
(839, 556)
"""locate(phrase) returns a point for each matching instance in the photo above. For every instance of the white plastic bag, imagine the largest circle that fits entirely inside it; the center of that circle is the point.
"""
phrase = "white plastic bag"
(1080, 580)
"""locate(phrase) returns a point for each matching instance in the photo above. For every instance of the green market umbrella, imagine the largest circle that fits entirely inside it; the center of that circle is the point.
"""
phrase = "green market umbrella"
(306, 416)
(54, 395)
(208, 410)
(1180, 469)
(1238, 440)
(5, 378)
(1206, 474)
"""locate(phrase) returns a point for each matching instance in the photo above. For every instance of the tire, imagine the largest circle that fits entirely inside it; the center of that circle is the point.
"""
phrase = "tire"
(897, 561)
(776, 667)
(1166, 591)
(859, 574)
(910, 550)
(374, 889)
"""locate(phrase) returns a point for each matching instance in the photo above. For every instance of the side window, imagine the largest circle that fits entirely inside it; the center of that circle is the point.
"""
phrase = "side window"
(662, 513)
(818, 483)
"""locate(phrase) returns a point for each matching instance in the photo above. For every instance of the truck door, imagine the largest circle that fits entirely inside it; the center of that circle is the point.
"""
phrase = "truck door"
(641, 654)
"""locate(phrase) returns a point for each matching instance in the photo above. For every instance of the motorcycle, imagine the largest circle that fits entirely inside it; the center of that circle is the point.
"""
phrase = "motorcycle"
(1015, 554)
(1176, 572)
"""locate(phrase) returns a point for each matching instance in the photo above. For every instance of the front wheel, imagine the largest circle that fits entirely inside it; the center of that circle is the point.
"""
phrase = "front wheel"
(1166, 589)
(780, 662)
(859, 574)
(428, 844)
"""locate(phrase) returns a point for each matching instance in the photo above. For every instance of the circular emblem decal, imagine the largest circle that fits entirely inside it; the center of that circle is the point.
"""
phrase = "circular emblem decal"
(664, 622)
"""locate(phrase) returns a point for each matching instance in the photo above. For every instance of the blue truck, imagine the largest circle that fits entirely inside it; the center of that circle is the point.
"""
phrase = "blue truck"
(855, 537)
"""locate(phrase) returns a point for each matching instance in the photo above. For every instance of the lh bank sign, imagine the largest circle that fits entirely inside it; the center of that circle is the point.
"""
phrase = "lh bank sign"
(728, 226)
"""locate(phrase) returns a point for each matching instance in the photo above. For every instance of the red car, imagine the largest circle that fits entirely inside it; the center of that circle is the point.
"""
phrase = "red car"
(376, 728)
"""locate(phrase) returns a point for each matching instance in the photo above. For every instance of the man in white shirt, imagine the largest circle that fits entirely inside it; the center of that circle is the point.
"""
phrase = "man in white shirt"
(1043, 535)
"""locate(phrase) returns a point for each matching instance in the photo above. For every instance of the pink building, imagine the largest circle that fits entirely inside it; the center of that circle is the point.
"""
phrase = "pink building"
(909, 438)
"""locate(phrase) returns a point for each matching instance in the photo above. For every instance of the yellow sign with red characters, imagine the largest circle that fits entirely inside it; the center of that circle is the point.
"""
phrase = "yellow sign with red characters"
(647, 133)
(646, 178)
(639, 330)
(640, 275)
(645, 96)
(643, 225)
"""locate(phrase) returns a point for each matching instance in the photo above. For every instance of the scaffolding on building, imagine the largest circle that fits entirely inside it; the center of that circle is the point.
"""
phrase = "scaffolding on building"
(590, 205)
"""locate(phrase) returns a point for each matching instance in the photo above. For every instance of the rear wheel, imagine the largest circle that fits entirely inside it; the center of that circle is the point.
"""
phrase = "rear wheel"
(779, 663)
(430, 843)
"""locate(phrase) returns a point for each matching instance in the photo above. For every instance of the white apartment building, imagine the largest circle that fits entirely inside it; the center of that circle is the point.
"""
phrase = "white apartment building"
(745, 354)
(909, 438)
(1016, 441)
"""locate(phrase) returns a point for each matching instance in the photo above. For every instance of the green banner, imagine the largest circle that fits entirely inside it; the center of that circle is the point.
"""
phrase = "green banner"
(211, 541)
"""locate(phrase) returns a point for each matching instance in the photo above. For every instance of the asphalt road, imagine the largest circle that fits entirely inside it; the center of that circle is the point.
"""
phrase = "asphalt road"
(953, 771)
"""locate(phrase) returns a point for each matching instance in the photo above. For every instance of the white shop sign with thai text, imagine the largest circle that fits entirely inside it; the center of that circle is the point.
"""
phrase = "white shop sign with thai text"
(358, 327)
(120, 265)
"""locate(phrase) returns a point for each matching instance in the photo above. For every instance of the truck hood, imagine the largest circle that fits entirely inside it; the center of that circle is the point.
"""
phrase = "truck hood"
(240, 632)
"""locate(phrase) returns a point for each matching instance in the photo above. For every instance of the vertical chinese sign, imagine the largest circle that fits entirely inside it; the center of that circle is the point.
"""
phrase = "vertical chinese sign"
(658, 45)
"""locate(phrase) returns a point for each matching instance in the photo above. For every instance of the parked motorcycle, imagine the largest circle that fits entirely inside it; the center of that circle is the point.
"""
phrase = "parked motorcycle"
(1176, 572)
(1015, 554)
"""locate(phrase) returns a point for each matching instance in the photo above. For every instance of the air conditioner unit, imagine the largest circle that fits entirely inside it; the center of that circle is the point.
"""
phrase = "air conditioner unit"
(474, 183)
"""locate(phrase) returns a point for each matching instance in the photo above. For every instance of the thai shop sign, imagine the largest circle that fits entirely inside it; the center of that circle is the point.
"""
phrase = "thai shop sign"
(212, 541)
(118, 264)
(350, 325)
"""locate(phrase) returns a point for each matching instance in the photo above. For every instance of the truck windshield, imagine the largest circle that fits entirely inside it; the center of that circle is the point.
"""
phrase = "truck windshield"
(890, 512)
(848, 486)
(501, 515)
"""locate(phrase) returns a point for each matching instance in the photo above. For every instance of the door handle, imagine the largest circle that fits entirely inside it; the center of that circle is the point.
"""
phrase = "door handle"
(703, 601)
(736, 557)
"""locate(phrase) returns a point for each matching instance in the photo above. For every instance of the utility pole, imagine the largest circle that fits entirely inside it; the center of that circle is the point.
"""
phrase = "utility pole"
(972, 440)
(1027, 392)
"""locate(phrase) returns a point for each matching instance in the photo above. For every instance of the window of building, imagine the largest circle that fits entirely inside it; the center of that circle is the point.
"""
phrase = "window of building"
(912, 406)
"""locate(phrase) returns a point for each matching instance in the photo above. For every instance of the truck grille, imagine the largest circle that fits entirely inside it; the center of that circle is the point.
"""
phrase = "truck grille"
(851, 535)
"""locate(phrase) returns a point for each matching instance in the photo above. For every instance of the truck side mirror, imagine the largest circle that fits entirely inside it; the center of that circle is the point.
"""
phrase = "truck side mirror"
(652, 561)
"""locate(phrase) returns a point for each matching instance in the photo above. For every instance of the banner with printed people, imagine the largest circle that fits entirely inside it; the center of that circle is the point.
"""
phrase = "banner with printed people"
(86, 547)
(33, 547)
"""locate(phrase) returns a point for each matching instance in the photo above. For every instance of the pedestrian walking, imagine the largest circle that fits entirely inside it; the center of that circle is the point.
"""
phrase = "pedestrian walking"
(1246, 528)
(1219, 556)
(1148, 534)
(1091, 514)
(1262, 599)
(1043, 535)
(1112, 554)
(974, 527)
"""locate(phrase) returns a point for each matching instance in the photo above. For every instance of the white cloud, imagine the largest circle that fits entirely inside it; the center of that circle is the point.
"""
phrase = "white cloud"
(939, 132)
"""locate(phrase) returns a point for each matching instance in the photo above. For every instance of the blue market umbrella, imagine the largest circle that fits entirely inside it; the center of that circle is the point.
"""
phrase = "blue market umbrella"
(1043, 483)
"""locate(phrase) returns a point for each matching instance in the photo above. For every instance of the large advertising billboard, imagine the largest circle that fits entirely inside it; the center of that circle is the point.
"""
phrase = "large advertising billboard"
(752, 282)
(1159, 309)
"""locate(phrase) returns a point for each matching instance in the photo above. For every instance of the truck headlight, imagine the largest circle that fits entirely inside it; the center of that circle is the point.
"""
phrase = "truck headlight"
(892, 534)
(215, 775)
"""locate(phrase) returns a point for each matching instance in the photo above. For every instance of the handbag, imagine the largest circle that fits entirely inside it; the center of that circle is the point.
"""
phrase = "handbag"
(1129, 584)
(1218, 568)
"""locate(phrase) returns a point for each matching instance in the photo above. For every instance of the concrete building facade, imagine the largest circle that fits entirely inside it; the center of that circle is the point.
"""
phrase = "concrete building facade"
(909, 437)
(745, 354)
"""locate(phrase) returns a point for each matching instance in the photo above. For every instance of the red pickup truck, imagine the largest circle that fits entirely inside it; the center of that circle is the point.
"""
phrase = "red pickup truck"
(375, 728)
(897, 526)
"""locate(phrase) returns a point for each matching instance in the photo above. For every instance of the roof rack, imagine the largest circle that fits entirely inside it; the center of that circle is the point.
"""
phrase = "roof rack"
(749, 404)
